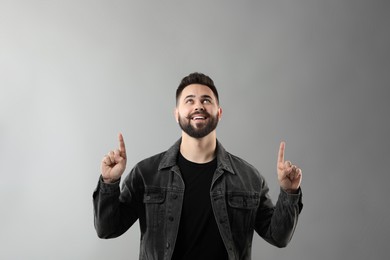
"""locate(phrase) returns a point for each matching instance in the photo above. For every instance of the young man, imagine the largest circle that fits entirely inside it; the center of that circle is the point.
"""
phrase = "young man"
(196, 200)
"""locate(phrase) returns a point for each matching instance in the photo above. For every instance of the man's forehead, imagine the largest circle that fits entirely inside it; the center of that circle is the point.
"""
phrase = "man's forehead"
(195, 90)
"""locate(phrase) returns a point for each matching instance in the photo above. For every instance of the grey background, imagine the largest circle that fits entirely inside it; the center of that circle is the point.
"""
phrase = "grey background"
(75, 73)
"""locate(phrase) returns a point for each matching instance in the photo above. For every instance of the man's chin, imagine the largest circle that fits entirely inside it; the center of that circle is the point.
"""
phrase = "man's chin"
(199, 125)
(197, 130)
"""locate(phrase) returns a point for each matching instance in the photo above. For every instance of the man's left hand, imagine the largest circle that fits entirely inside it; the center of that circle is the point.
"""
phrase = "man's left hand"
(289, 175)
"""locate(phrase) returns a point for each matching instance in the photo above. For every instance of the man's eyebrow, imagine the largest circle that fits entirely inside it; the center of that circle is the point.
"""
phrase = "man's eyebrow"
(189, 96)
(203, 96)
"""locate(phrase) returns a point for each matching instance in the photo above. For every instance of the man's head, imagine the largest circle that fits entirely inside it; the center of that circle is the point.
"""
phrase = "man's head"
(197, 105)
(196, 78)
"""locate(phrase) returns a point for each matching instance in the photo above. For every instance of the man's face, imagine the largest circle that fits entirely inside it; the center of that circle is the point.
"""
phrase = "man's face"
(197, 111)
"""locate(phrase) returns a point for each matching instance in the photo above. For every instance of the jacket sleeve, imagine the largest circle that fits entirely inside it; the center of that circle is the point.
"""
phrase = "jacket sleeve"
(115, 211)
(276, 224)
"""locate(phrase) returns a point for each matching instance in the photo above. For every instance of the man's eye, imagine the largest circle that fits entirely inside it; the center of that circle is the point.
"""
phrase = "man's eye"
(189, 101)
(206, 101)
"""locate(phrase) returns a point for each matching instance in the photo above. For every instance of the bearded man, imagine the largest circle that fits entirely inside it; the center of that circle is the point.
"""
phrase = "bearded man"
(196, 200)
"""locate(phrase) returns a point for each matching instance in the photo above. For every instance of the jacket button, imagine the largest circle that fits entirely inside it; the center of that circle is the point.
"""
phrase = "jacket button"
(174, 196)
(168, 245)
(170, 218)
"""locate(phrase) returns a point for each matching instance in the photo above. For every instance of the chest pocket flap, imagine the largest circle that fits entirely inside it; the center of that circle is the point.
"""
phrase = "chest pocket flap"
(244, 200)
(154, 197)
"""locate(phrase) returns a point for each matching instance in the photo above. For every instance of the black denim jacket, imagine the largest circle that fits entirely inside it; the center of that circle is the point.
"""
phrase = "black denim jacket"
(153, 194)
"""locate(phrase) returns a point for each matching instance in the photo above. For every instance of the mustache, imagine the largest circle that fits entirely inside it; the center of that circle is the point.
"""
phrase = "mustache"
(204, 113)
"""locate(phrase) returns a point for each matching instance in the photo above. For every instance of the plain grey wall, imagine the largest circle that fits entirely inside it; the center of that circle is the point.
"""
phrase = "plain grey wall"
(75, 73)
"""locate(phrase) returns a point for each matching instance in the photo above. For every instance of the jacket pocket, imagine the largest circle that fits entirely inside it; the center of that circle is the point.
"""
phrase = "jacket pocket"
(242, 209)
(154, 208)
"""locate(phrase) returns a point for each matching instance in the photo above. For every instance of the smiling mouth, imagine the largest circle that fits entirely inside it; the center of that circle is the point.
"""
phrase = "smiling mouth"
(198, 118)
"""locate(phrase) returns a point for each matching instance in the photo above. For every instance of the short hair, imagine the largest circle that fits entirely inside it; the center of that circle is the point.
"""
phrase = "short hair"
(196, 78)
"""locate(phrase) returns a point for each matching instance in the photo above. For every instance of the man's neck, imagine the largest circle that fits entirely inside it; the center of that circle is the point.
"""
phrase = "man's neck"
(199, 150)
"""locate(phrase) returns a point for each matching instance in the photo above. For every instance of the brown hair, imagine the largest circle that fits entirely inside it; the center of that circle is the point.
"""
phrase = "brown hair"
(196, 78)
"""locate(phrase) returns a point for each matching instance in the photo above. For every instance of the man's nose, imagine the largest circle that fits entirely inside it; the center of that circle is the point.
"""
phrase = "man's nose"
(199, 107)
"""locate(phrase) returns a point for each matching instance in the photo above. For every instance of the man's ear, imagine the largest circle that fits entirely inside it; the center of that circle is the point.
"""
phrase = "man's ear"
(176, 114)
(219, 113)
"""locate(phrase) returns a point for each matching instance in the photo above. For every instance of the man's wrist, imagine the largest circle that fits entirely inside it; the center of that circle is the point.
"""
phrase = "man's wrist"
(291, 191)
(109, 180)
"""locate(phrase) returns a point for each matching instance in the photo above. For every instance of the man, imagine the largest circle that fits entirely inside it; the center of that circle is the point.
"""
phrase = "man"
(196, 200)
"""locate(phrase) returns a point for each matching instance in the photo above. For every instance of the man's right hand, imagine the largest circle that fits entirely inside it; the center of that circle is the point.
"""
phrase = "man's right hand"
(114, 163)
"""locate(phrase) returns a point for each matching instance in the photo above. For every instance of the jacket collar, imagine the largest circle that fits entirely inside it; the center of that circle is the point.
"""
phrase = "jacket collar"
(170, 157)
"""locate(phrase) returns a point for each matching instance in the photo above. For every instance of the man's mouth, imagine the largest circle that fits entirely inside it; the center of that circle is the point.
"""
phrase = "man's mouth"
(198, 118)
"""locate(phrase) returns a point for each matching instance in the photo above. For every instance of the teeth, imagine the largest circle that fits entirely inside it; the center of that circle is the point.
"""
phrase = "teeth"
(198, 117)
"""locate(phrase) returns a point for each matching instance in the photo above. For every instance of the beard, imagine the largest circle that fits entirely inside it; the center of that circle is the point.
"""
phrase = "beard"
(201, 129)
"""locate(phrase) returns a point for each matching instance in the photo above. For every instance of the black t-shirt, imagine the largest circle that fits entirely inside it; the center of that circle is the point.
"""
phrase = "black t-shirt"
(198, 236)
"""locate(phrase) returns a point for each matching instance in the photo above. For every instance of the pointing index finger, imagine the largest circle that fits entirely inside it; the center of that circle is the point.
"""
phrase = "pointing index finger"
(281, 152)
(122, 147)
